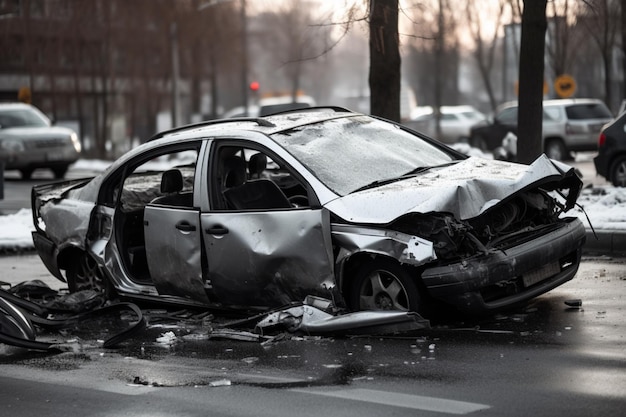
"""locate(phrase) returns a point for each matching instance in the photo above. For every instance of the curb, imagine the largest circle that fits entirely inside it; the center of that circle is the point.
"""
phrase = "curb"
(605, 242)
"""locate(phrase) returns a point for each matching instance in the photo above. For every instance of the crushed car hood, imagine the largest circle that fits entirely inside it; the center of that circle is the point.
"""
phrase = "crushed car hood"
(465, 189)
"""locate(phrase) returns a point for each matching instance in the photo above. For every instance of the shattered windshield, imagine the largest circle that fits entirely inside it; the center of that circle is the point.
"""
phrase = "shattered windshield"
(352, 153)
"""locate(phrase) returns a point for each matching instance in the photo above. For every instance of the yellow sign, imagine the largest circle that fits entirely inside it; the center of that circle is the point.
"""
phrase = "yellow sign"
(565, 86)
(24, 95)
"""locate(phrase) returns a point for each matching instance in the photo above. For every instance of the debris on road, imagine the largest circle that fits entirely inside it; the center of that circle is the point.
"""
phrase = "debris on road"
(574, 303)
(309, 319)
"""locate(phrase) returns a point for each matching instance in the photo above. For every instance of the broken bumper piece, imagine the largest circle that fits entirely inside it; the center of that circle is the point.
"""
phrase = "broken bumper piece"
(312, 320)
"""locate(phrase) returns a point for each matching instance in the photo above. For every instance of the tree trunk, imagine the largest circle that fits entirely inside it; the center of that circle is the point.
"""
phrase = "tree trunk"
(623, 49)
(384, 77)
(531, 73)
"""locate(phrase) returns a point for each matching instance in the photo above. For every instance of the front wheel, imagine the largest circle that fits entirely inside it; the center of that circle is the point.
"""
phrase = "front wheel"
(382, 284)
(618, 172)
(84, 273)
(60, 171)
(555, 149)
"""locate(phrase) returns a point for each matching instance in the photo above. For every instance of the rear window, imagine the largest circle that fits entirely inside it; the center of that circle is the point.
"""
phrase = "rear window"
(588, 111)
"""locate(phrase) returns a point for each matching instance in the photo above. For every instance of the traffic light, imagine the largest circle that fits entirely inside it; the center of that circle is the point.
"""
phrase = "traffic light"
(254, 86)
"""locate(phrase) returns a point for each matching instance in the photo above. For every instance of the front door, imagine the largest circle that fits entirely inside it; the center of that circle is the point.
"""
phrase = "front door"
(268, 258)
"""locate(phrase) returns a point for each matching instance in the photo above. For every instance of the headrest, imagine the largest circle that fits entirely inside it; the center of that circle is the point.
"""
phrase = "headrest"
(171, 181)
(234, 171)
(257, 164)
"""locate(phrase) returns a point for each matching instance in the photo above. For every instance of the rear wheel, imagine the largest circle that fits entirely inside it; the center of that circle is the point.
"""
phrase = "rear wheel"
(383, 284)
(618, 172)
(84, 273)
(26, 173)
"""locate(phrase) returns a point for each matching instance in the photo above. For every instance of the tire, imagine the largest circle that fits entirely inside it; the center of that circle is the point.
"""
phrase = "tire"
(85, 274)
(26, 173)
(383, 284)
(617, 174)
(478, 142)
(555, 149)
(60, 171)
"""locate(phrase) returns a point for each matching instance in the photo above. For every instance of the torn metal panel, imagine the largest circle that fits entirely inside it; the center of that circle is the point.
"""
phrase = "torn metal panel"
(465, 189)
(405, 248)
(66, 222)
(312, 320)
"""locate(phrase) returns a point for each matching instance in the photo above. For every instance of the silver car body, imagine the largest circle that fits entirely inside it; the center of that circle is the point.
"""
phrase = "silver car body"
(204, 253)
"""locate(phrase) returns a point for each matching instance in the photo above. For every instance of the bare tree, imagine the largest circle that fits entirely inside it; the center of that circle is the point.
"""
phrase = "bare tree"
(294, 42)
(623, 49)
(602, 23)
(562, 37)
(486, 44)
(530, 116)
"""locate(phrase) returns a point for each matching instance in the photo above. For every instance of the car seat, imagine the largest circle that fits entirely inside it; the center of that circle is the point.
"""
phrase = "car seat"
(253, 194)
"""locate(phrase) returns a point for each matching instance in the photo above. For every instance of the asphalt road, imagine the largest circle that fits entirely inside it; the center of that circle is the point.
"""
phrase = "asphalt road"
(544, 359)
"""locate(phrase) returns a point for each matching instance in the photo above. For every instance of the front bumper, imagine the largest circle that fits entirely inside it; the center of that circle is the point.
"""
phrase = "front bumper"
(503, 278)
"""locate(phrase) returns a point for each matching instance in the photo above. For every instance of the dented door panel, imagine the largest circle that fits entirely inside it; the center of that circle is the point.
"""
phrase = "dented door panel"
(173, 250)
(268, 258)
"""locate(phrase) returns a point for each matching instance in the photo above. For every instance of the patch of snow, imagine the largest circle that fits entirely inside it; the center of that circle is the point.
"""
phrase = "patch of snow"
(15, 230)
(605, 205)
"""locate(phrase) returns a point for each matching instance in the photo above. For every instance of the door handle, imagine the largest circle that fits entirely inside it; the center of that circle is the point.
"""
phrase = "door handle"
(185, 226)
(217, 230)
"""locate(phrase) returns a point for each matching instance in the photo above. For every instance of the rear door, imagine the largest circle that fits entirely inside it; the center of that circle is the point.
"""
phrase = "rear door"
(171, 227)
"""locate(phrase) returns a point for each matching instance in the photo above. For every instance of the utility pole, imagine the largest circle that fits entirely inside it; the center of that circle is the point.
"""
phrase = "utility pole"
(175, 75)
(244, 57)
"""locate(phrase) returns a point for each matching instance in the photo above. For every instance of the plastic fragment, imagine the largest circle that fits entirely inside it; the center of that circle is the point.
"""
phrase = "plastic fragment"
(574, 303)
(220, 383)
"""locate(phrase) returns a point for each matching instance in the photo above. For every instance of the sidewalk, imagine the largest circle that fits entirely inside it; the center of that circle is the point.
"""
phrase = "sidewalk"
(605, 242)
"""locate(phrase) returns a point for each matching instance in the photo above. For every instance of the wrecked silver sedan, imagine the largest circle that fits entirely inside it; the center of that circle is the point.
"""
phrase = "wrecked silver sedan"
(261, 212)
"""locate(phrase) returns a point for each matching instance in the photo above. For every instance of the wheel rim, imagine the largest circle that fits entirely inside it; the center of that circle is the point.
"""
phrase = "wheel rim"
(620, 174)
(88, 276)
(382, 290)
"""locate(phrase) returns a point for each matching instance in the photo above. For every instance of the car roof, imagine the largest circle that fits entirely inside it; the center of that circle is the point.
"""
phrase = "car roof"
(570, 101)
(269, 124)
(15, 105)
(554, 102)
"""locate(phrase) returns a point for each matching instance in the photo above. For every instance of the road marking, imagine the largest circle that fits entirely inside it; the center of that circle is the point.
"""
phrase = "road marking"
(416, 402)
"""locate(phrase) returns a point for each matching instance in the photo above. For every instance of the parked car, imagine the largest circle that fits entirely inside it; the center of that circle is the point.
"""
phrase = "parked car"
(569, 125)
(611, 159)
(259, 213)
(455, 122)
(270, 105)
(29, 141)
